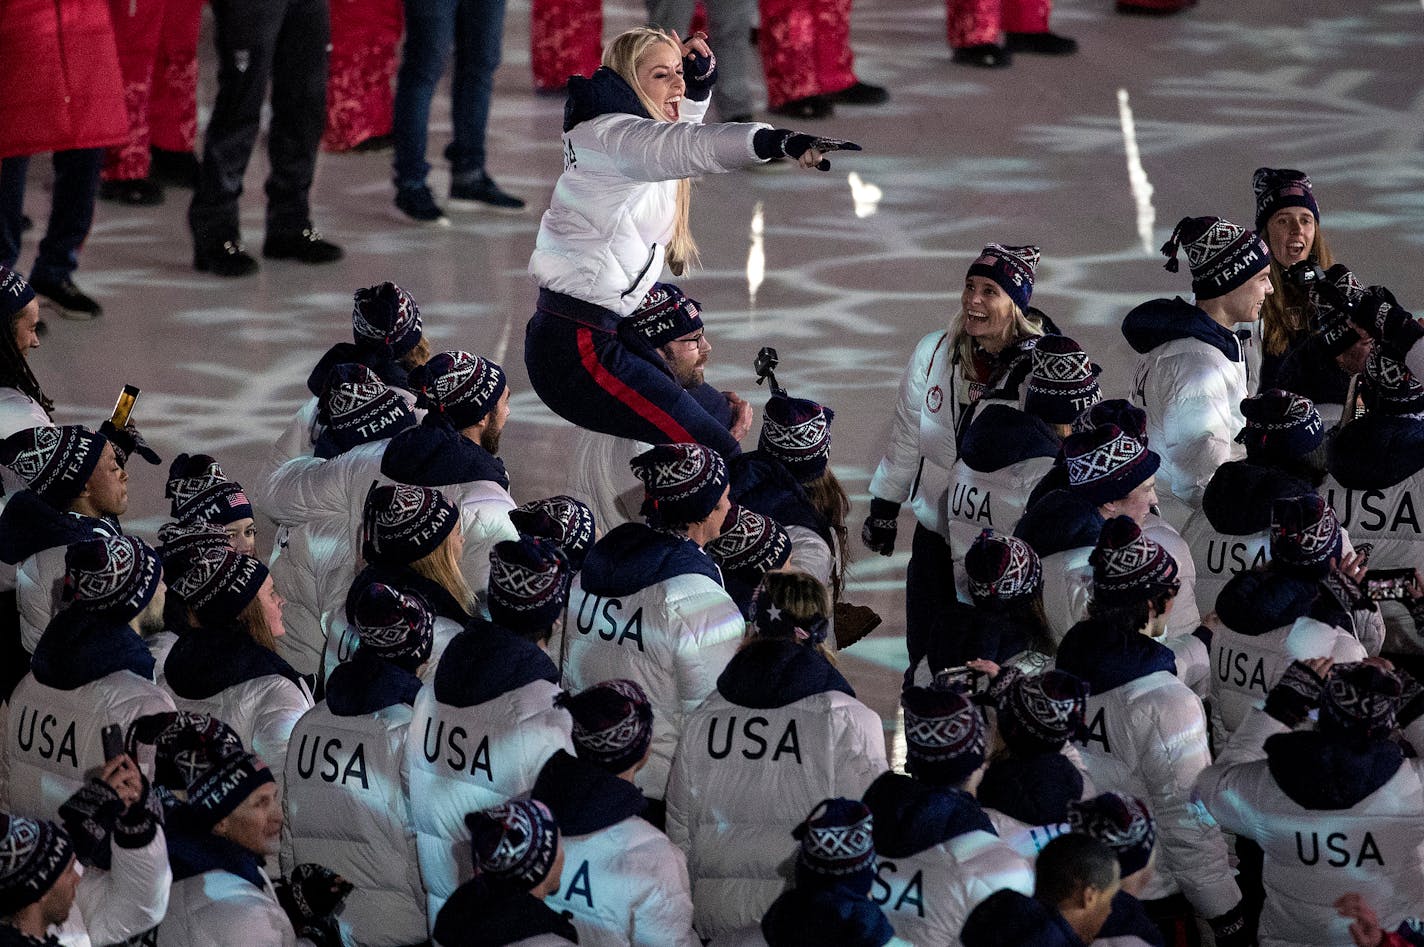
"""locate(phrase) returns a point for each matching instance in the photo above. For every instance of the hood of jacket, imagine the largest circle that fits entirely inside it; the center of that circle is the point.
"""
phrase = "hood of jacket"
(191, 853)
(773, 672)
(406, 579)
(390, 371)
(207, 661)
(29, 525)
(1255, 602)
(1002, 435)
(485, 661)
(583, 796)
(78, 648)
(762, 484)
(1323, 771)
(1009, 919)
(1034, 789)
(633, 556)
(603, 93)
(434, 454)
(979, 633)
(1060, 521)
(1129, 919)
(1160, 321)
(1237, 500)
(368, 683)
(834, 915)
(1376, 451)
(911, 816)
(479, 914)
(1107, 658)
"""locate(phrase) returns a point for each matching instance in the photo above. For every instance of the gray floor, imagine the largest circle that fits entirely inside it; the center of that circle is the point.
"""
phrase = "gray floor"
(842, 272)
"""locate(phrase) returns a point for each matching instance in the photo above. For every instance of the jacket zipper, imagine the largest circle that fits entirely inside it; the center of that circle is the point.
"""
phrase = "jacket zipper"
(652, 252)
(920, 472)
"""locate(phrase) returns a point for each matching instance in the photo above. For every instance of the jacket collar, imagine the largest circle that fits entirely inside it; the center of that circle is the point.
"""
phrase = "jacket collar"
(78, 648)
(368, 683)
(603, 93)
(634, 556)
(1256, 602)
(479, 914)
(1035, 789)
(1160, 321)
(29, 525)
(191, 854)
(911, 816)
(1001, 435)
(763, 485)
(1376, 451)
(585, 797)
(1323, 771)
(825, 916)
(1237, 501)
(486, 661)
(407, 579)
(434, 454)
(1107, 658)
(388, 369)
(1061, 520)
(206, 661)
(773, 672)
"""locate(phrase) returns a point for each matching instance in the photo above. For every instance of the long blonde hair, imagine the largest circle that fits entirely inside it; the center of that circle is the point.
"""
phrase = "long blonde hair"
(1285, 317)
(441, 567)
(622, 56)
(1021, 327)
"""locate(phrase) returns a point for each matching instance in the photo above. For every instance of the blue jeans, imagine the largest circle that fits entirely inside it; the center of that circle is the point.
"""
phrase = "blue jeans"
(71, 211)
(474, 29)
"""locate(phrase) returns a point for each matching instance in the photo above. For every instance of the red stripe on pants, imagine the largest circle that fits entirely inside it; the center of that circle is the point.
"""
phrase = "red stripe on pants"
(634, 401)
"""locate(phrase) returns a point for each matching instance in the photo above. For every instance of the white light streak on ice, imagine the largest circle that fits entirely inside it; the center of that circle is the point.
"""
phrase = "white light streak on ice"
(1136, 174)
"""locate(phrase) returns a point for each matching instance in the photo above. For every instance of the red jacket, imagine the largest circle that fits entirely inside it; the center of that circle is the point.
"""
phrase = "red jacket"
(63, 89)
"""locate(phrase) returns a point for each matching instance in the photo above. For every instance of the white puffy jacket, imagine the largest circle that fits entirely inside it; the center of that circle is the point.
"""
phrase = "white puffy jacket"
(921, 447)
(18, 412)
(600, 476)
(220, 909)
(52, 736)
(1192, 393)
(348, 808)
(127, 900)
(624, 884)
(746, 774)
(605, 234)
(484, 750)
(645, 608)
(1354, 838)
(1147, 737)
(1244, 668)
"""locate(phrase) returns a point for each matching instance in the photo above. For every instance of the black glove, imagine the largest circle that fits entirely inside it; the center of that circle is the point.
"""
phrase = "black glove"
(1331, 319)
(781, 143)
(1000, 686)
(88, 817)
(1381, 315)
(1231, 929)
(881, 526)
(1296, 695)
(699, 74)
(139, 823)
(128, 441)
(310, 898)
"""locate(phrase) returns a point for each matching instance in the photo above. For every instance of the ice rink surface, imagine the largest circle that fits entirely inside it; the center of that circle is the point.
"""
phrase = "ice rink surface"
(1092, 157)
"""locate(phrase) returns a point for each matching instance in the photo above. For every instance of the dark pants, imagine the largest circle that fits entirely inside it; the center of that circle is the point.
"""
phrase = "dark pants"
(71, 211)
(929, 591)
(586, 374)
(261, 42)
(474, 29)
(1176, 920)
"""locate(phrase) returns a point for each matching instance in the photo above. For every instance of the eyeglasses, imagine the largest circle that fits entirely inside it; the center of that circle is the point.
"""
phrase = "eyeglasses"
(696, 340)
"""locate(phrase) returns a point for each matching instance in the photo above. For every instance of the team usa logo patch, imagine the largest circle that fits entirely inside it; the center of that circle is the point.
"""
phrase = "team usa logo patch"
(934, 399)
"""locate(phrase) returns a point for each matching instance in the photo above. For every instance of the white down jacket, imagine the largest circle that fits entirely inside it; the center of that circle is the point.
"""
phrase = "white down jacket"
(220, 909)
(1191, 379)
(1005, 453)
(348, 806)
(937, 858)
(1331, 818)
(129, 899)
(18, 412)
(605, 234)
(624, 884)
(650, 607)
(51, 729)
(1264, 625)
(481, 729)
(1147, 737)
(782, 732)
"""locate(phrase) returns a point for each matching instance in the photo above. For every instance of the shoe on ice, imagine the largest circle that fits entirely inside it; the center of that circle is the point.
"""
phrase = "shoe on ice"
(305, 246)
(68, 299)
(479, 190)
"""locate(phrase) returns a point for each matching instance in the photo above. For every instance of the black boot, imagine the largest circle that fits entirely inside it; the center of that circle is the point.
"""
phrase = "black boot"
(984, 56)
(71, 302)
(223, 258)
(304, 246)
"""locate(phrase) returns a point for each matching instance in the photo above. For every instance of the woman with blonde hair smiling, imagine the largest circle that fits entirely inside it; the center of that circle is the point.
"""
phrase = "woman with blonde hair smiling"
(633, 139)
(987, 346)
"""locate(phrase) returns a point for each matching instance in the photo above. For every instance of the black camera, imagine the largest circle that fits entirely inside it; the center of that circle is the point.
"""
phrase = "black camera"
(765, 367)
(1306, 273)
